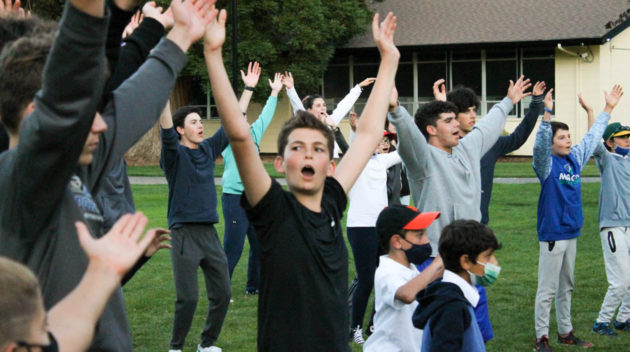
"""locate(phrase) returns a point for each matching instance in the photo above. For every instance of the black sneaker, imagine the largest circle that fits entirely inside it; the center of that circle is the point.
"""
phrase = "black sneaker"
(251, 292)
(542, 344)
(625, 326)
(604, 329)
(571, 339)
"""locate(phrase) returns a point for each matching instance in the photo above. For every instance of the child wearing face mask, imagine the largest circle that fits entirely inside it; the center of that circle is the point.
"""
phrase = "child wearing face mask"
(614, 221)
(558, 165)
(445, 311)
(402, 235)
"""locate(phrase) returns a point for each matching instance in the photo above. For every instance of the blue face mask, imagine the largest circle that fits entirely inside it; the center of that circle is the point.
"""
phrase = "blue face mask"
(622, 151)
(418, 253)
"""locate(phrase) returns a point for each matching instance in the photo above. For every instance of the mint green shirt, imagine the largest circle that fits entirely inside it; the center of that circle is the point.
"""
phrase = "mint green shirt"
(231, 181)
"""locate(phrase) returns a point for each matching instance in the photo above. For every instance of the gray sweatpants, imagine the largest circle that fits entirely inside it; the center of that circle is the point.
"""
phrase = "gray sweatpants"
(556, 264)
(197, 245)
(616, 248)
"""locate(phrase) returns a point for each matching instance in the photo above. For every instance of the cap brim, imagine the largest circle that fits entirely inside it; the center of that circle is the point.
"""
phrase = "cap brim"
(620, 133)
(422, 221)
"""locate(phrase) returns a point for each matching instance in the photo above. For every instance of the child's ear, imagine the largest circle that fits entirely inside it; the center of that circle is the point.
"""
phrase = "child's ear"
(394, 242)
(431, 130)
(331, 169)
(464, 262)
(277, 164)
(610, 143)
(179, 130)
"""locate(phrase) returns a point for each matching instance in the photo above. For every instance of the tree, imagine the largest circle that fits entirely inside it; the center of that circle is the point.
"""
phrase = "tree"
(283, 35)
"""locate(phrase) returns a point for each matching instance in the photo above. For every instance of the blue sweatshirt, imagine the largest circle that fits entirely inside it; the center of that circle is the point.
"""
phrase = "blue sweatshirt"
(192, 196)
(560, 203)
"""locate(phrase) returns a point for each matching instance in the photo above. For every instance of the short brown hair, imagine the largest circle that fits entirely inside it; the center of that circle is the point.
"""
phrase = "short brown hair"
(21, 69)
(304, 119)
(20, 303)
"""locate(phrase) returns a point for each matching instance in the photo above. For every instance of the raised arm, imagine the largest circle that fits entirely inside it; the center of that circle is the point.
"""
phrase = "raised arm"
(370, 129)
(542, 145)
(250, 80)
(345, 105)
(583, 150)
(294, 98)
(128, 120)
(412, 146)
(52, 138)
(589, 110)
(259, 127)
(485, 133)
(519, 136)
(73, 320)
(255, 179)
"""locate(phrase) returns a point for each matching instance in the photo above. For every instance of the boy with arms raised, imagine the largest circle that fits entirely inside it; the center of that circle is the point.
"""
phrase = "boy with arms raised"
(558, 165)
(614, 223)
(304, 267)
(402, 235)
(445, 312)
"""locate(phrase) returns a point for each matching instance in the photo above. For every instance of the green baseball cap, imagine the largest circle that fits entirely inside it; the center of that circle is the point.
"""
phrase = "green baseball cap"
(615, 129)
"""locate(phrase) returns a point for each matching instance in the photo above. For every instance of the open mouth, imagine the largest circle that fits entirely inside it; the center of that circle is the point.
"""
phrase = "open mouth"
(308, 171)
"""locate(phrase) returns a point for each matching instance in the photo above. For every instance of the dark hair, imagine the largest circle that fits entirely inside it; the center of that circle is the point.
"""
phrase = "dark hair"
(310, 99)
(555, 126)
(429, 113)
(463, 98)
(21, 70)
(180, 115)
(13, 27)
(304, 119)
(465, 237)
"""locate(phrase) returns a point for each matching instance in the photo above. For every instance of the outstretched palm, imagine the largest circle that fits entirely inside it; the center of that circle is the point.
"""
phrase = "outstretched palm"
(613, 97)
(193, 15)
(214, 36)
(383, 34)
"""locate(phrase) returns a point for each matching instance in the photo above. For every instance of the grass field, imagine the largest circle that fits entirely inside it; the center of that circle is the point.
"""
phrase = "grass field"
(150, 295)
(503, 169)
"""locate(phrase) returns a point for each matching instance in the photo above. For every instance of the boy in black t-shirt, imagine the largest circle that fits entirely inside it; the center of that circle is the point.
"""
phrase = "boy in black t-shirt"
(304, 268)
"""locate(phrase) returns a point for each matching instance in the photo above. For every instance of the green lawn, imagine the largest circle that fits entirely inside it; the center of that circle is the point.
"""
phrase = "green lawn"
(150, 295)
(503, 169)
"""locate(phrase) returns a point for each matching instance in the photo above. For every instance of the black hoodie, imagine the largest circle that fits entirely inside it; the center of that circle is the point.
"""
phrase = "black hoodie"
(448, 313)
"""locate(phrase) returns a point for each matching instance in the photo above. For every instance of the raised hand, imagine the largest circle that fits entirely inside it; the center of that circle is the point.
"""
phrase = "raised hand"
(215, 33)
(151, 10)
(353, 121)
(121, 247)
(366, 82)
(253, 74)
(383, 35)
(191, 18)
(393, 99)
(8, 7)
(584, 104)
(329, 121)
(276, 84)
(287, 80)
(516, 90)
(161, 240)
(612, 97)
(439, 90)
(548, 100)
(133, 24)
(539, 88)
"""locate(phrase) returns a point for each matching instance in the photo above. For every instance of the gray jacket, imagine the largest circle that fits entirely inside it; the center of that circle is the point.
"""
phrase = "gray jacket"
(614, 194)
(449, 183)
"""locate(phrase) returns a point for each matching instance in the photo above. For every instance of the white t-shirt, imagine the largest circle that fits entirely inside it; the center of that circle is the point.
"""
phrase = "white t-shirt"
(368, 195)
(393, 329)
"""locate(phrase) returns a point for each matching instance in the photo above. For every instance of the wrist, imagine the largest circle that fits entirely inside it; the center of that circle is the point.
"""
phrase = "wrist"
(274, 93)
(609, 108)
(179, 36)
(548, 110)
(249, 88)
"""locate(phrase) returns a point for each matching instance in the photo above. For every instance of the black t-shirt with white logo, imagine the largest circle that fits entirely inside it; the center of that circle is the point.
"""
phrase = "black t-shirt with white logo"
(304, 271)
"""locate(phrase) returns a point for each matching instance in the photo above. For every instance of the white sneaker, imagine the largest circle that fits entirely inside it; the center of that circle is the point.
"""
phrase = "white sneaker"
(357, 335)
(208, 349)
(174, 350)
